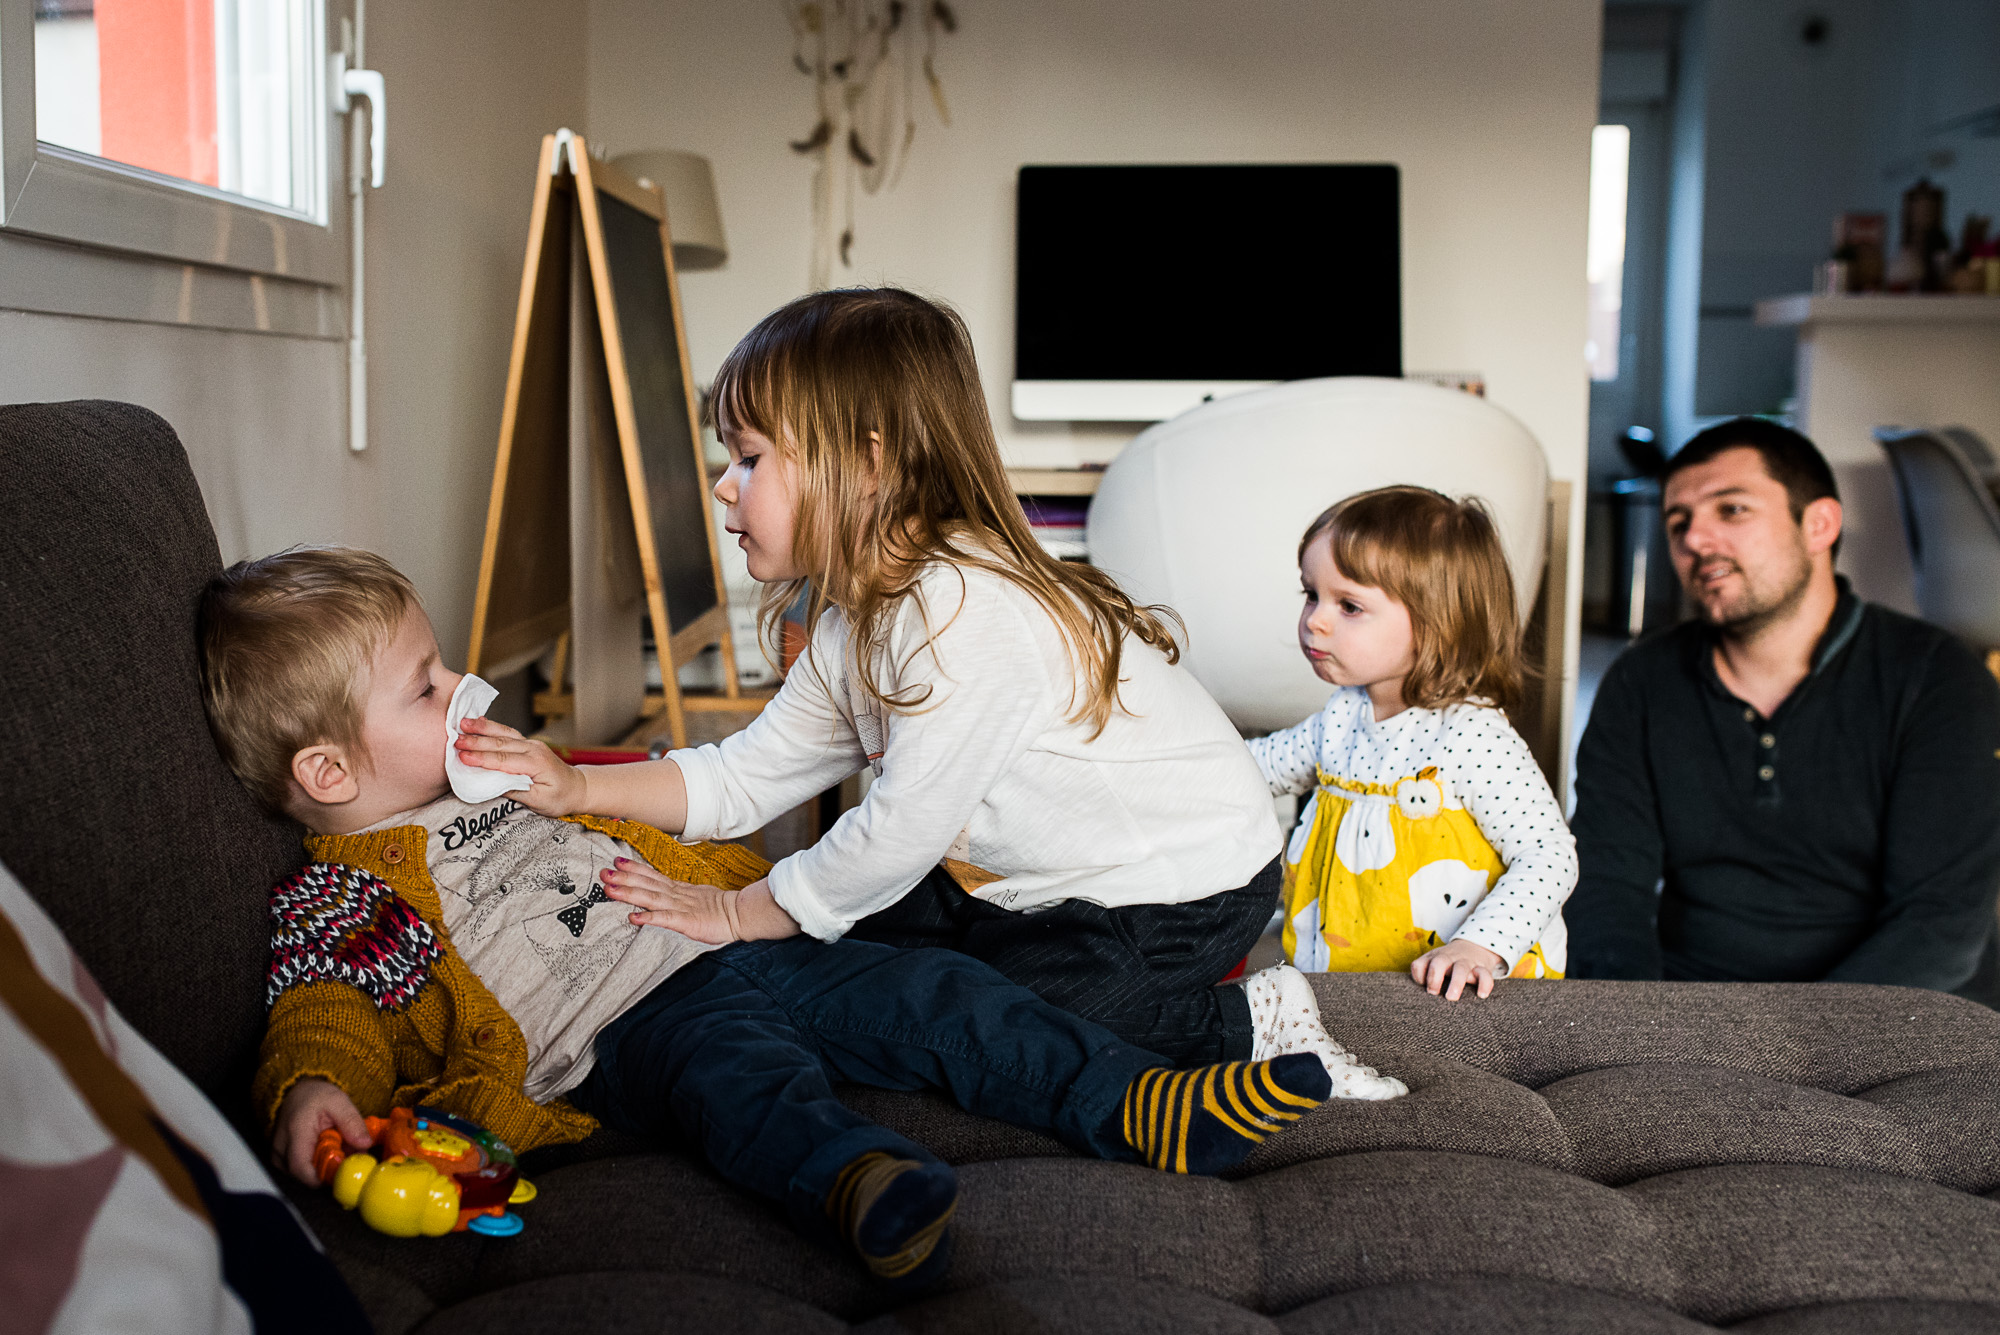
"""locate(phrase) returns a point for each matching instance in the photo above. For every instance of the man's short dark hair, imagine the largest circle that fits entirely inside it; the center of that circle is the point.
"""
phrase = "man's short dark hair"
(1793, 462)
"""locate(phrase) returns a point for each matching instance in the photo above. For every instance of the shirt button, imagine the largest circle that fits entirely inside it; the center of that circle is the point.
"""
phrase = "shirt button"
(393, 854)
(1768, 741)
(1767, 773)
(1749, 716)
(484, 1036)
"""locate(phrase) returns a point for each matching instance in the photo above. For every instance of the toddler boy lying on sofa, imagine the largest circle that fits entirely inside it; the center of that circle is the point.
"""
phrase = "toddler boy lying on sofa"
(463, 954)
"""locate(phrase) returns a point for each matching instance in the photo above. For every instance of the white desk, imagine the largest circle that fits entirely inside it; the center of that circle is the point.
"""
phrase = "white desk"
(1881, 360)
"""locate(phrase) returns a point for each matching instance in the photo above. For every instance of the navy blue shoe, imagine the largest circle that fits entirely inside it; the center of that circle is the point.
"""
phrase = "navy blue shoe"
(896, 1213)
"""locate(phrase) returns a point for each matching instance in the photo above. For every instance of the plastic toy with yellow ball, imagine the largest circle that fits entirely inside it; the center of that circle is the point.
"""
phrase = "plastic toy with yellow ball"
(435, 1174)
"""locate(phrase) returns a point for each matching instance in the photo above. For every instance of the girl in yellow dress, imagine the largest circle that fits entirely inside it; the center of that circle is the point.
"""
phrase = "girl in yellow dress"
(1431, 840)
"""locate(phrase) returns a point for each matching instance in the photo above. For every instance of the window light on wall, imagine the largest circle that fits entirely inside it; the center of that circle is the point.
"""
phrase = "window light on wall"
(1610, 158)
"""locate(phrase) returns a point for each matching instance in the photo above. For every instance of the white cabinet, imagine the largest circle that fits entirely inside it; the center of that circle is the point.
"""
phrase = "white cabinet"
(1870, 361)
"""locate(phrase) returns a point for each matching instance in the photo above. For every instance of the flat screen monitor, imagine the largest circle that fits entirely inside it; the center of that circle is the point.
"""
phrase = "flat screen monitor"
(1143, 290)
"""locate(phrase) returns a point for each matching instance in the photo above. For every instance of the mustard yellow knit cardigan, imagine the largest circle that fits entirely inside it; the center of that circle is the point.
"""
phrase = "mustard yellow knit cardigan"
(451, 1044)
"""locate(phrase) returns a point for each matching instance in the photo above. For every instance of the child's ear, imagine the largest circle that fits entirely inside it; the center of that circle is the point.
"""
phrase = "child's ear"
(325, 775)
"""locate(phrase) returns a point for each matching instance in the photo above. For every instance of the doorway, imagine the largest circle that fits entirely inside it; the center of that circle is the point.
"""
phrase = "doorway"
(1629, 585)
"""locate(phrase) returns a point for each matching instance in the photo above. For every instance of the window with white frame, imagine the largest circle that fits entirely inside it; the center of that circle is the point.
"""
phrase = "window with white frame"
(216, 93)
(196, 132)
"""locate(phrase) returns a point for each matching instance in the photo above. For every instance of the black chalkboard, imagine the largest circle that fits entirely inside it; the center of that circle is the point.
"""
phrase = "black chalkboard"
(599, 350)
(669, 455)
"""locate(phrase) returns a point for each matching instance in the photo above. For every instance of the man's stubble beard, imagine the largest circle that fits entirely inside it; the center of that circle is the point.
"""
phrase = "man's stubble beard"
(1759, 606)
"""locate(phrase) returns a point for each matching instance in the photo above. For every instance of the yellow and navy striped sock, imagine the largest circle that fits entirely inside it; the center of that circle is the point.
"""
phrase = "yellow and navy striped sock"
(897, 1215)
(1209, 1119)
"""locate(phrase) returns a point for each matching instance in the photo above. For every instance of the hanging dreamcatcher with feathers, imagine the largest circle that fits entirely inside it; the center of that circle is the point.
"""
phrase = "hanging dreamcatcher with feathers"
(865, 58)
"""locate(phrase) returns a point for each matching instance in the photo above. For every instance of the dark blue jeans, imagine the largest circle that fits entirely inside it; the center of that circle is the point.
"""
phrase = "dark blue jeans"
(1146, 972)
(739, 1051)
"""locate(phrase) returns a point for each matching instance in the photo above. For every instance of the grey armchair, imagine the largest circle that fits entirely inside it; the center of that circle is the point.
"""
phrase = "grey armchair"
(1944, 479)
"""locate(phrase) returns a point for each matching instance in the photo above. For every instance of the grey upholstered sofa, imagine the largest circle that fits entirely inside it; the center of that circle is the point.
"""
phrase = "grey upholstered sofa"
(1573, 1157)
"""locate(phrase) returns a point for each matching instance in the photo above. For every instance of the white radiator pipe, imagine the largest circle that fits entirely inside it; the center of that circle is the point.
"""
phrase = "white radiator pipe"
(347, 82)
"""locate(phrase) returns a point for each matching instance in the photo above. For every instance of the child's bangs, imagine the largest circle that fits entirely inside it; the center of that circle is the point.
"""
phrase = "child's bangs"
(1368, 555)
(767, 385)
(745, 398)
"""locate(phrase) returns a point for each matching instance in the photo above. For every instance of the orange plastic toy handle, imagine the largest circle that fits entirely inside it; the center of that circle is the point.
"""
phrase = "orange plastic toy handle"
(328, 1151)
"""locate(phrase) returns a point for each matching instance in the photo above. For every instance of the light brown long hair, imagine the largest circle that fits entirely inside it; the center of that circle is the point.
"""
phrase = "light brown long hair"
(1440, 558)
(821, 377)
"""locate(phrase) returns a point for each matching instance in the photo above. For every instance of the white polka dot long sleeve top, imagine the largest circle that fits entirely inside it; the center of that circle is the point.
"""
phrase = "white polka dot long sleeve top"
(1488, 769)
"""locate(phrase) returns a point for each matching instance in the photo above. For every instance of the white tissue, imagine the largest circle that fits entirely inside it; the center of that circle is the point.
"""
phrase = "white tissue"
(469, 783)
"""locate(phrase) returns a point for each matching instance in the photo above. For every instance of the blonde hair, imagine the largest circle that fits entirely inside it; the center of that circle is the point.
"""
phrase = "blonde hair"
(825, 375)
(286, 644)
(1440, 558)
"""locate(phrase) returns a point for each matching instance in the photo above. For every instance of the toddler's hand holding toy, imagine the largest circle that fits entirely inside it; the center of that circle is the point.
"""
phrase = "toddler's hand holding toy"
(560, 789)
(312, 1107)
(704, 913)
(1454, 964)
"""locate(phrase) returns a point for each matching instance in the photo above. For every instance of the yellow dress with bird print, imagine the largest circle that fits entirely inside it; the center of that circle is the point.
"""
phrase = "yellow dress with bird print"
(1429, 826)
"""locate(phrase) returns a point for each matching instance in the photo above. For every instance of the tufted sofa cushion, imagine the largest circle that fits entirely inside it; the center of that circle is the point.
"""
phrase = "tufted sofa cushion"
(1572, 1156)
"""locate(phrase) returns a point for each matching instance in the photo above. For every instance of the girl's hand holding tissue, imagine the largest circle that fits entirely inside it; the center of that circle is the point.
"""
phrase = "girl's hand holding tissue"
(557, 789)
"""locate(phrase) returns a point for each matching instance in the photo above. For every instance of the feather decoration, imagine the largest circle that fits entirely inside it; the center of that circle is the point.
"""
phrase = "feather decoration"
(821, 136)
(937, 91)
(864, 57)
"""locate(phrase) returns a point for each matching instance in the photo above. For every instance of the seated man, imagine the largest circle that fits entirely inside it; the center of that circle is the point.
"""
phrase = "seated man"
(1797, 785)
(463, 954)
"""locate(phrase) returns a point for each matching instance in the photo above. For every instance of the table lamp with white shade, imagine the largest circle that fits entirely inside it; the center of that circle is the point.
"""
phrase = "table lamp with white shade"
(694, 219)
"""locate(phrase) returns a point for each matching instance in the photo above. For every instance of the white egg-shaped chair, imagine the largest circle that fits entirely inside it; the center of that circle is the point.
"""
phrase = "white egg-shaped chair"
(1204, 513)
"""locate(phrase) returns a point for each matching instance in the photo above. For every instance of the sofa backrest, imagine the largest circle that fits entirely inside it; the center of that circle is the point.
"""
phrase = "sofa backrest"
(116, 811)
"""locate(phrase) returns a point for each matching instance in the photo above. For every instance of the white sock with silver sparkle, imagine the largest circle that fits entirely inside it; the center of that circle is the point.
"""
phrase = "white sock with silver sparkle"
(1284, 1018)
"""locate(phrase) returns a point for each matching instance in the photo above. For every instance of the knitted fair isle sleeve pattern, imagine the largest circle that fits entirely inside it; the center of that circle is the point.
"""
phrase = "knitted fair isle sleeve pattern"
(347, 953)
(341, 924)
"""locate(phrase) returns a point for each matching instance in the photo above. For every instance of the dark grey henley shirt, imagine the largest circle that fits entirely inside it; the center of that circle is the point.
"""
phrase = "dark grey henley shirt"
(1853, 836)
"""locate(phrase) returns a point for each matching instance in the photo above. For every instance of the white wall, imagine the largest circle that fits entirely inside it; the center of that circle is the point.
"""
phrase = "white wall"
(472, 89)
(262, 416)
(474, 85)
(1486, 107)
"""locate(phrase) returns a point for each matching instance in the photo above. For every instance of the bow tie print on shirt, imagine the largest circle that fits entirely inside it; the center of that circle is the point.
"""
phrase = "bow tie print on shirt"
(578, 913)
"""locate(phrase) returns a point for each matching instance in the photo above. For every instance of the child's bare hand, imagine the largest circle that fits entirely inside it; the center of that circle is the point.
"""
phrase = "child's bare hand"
(700, 912)
(560, 789)
(310, 1107)
(1454, 964)
(704, 913)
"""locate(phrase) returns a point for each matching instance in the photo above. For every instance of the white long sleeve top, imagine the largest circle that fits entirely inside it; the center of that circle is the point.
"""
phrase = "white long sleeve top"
(1163, 806)
(1490, 771)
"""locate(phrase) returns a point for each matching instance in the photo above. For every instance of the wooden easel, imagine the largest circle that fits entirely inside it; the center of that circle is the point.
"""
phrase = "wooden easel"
(600, 360)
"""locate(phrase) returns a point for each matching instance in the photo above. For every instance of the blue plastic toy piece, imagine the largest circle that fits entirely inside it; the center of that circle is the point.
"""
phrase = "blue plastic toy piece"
(496, 1226)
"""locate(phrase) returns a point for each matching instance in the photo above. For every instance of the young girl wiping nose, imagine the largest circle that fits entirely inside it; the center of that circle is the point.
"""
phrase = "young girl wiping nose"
(1431, 841)
(1051, 793)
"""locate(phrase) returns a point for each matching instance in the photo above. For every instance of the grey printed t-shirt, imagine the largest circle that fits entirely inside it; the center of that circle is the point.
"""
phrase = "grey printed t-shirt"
(526, 911)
